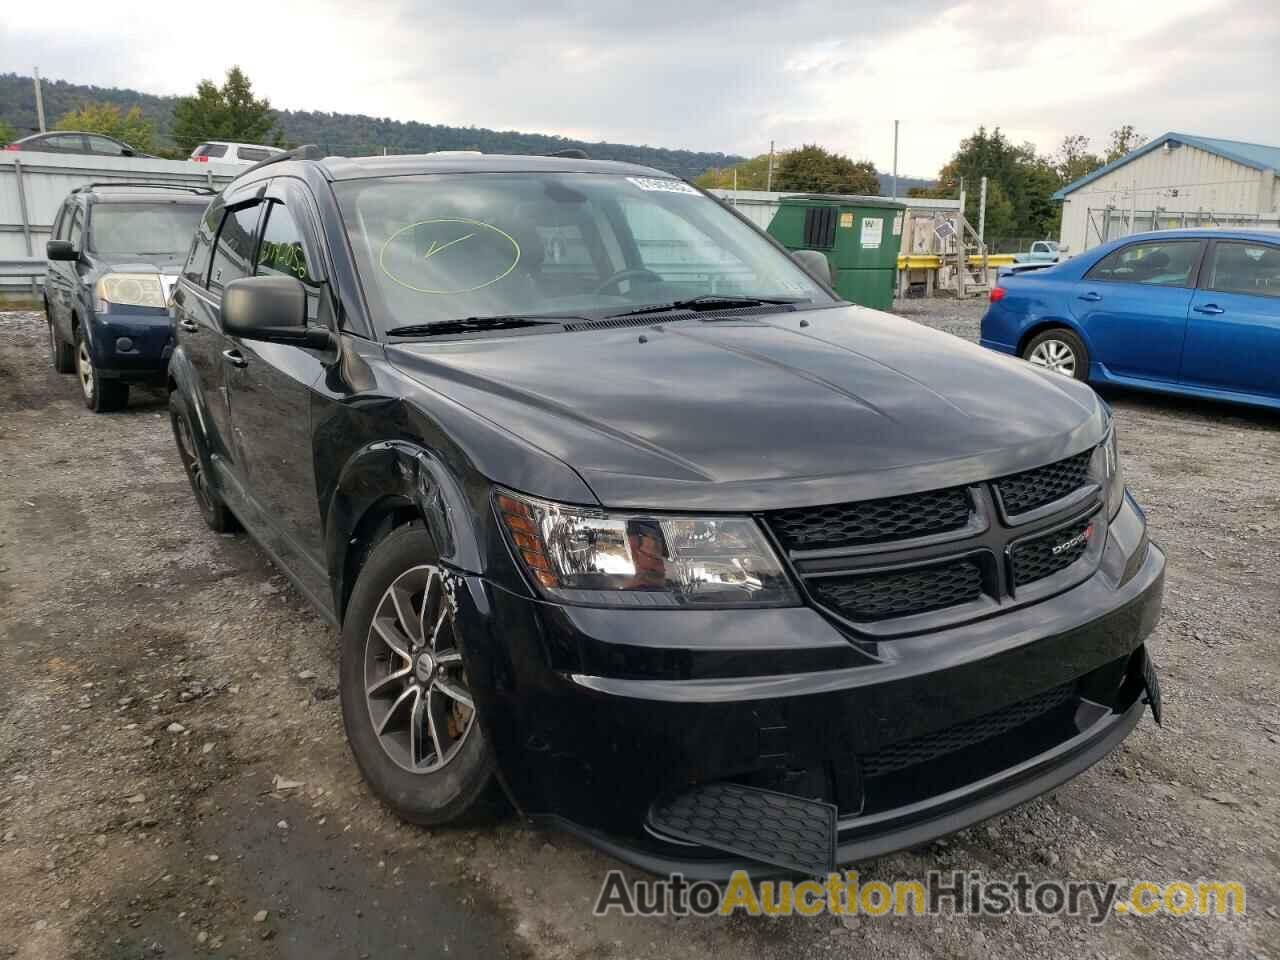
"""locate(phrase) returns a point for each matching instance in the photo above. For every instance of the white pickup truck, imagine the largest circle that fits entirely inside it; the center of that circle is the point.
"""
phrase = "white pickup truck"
(1042, 251)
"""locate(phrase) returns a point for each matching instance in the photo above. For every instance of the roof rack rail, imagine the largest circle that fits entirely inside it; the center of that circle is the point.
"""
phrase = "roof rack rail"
(138, 183)
(571, 153)
(308, 151)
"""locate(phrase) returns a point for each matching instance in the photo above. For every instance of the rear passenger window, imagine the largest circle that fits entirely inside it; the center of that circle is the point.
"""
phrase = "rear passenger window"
(282, 253)
(233, 253)
(197, 268)
(1163, 263)
(211, 150)
(1246, 268)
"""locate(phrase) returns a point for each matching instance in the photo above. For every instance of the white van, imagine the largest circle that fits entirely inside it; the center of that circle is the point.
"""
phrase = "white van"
(223, 152)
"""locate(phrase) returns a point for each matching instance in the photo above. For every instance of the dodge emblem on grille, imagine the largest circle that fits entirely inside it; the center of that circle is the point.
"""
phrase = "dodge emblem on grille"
(1079, 538)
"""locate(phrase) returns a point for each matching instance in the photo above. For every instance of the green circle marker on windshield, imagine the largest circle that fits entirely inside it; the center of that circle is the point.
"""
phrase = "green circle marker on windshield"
(457, 238)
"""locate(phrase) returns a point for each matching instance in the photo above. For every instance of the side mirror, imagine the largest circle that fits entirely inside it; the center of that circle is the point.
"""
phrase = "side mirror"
(273, 309)
(61, 250)
(815, 264)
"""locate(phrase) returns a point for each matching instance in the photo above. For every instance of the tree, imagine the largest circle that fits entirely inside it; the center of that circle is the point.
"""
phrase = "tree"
(229, 112)
(1124, 140)
(752, 174)
(1074, 160)
(812, 169)
(7, 134)
(107, 118)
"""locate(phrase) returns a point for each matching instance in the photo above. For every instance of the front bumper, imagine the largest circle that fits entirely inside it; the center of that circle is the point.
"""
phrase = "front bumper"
(132, 343)
(596, 715)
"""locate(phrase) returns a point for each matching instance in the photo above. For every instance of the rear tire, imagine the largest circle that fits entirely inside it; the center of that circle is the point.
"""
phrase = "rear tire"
(430, 762)
(61, 355)
(216, 513)
(100, 395)
(1060, 351)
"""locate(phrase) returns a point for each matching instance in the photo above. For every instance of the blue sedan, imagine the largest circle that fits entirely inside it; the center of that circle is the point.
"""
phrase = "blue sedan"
(1193, 312)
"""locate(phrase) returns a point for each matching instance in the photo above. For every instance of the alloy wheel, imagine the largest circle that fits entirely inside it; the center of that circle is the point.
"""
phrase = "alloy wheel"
(1056, 356)
(84, 366)
(415, 688)
(191, 461)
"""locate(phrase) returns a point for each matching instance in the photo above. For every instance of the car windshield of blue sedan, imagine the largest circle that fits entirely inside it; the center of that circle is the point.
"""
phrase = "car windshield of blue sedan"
(143, 228)
(445, 247)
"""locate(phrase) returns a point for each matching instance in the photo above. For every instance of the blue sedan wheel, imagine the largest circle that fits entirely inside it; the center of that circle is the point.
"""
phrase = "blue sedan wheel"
(1060, 351)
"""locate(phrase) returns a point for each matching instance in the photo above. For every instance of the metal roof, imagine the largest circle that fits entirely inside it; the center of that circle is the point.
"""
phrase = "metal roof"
(1255, 155)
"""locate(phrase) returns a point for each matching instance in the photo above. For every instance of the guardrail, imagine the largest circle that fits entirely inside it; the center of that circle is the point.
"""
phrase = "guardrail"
(33, 267)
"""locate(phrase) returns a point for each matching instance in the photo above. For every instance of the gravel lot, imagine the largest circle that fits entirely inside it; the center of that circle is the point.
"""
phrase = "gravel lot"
(174, 781)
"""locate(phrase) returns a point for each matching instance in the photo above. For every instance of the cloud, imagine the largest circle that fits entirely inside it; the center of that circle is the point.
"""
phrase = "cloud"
(669, 74)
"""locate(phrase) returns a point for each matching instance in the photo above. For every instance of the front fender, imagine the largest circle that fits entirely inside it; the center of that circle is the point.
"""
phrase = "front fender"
(393, 470)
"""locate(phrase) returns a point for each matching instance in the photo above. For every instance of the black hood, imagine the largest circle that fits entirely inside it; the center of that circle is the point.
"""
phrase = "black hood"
(765, 413)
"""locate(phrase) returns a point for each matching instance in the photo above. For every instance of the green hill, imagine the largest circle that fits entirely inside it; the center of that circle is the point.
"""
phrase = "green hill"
(343, 133)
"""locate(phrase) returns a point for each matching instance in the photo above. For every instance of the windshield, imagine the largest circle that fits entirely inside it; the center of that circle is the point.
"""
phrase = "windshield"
(448, 247)
(151, 228)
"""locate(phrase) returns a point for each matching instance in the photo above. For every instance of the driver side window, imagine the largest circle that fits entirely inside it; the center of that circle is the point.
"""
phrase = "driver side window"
(282, 253)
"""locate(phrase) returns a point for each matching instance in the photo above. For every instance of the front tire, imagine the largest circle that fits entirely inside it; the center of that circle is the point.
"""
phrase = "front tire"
(406, 702)
(1060, 351)
(216, 514)
(100, 395)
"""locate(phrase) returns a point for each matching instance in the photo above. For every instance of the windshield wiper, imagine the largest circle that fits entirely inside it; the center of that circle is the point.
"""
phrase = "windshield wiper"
(710, 301)
(473, 324)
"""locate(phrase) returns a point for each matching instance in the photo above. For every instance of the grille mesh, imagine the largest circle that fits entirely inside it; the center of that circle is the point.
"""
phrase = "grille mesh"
(872, 521)
(878, 596)
(908, 753)
(1035, 559)
(1034, 488)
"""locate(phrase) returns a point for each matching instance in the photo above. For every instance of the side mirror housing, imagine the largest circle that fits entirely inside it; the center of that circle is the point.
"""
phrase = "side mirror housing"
(61, 250)
(815, 264)
(273, 309)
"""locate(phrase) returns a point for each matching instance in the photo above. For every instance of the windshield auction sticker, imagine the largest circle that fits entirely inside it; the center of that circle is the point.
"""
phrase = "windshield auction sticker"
(448, 255)
(659, 185)
(940, 893)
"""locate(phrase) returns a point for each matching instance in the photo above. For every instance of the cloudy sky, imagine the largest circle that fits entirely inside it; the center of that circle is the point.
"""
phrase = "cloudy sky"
(714, 77)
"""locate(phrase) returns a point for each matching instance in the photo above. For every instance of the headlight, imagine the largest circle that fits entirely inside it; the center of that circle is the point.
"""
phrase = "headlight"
(1113, 475)
(129, 289)
(587, 556)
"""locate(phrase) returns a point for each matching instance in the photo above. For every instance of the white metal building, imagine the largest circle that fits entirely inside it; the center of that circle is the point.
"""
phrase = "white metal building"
(1176, 180)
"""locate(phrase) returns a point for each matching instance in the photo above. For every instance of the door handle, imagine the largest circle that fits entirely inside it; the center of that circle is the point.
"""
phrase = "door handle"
(189, 325)
(235, 358)
(1090, 297)
(1210, 308)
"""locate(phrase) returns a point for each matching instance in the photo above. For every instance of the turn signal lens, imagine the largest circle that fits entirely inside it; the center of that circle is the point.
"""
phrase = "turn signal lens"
(581, 555)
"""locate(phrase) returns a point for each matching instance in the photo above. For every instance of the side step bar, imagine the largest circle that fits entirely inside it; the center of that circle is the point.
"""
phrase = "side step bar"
(774, 828)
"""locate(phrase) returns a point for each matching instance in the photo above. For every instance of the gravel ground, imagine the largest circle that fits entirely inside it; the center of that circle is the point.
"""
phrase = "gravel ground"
(173, 778)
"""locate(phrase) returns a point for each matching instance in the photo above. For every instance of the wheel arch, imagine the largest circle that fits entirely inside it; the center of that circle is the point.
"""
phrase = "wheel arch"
(1051, 323)
(386, 485)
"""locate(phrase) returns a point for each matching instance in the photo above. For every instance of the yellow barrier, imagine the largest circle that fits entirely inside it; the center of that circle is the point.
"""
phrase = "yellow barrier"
(930, 261)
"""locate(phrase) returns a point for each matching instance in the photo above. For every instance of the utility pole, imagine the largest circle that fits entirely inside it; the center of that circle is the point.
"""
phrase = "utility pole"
(35, 78)
(982, 211)
(769, 181)
(895, 159)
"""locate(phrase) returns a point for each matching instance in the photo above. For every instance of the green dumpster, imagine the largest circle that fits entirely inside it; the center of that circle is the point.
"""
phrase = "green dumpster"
(859, 236)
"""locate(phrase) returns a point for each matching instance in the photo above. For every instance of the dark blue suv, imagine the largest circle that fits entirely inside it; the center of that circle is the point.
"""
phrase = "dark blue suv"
(113, 259)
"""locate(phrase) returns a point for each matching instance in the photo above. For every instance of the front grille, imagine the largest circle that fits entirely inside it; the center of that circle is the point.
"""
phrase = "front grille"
(1034, 560)
(900, 593)
(872, 521)
(1035, 488)
(908, 753)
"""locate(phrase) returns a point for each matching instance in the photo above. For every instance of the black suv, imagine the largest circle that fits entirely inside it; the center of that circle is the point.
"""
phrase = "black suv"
(620, 509)
(114, 257)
